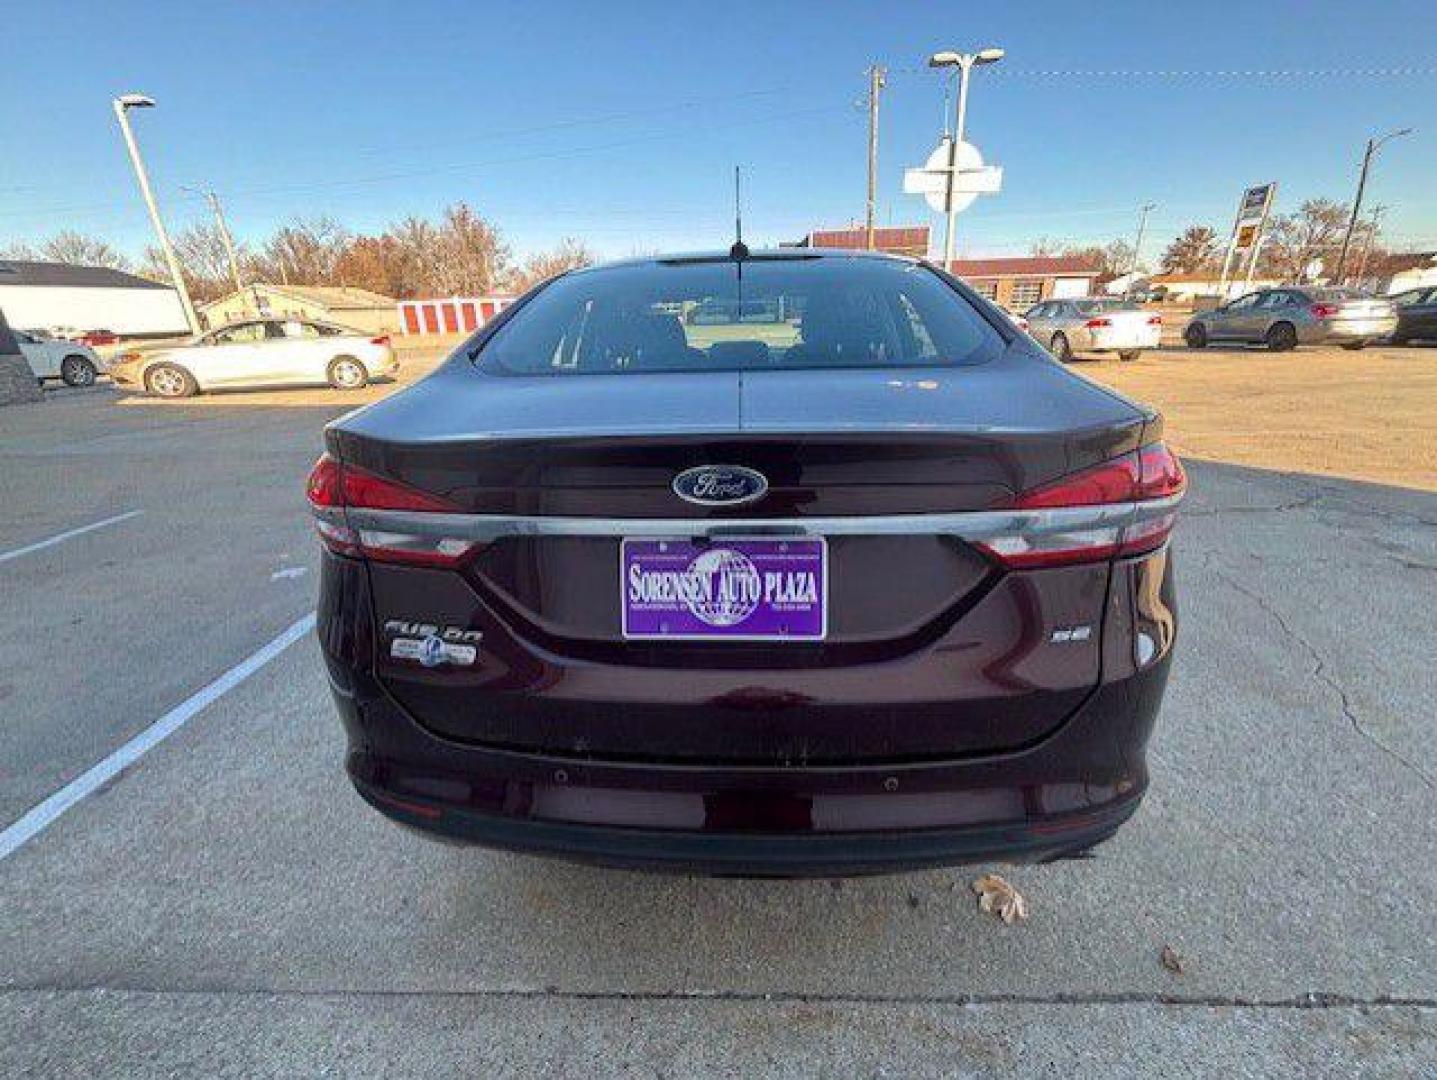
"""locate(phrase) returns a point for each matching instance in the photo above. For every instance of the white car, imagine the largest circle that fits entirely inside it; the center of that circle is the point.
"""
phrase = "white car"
(262, 352)
(52, 358)
(1094, 324)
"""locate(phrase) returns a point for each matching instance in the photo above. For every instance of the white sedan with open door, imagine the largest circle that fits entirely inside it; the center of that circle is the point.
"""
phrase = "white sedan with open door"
(262, 352)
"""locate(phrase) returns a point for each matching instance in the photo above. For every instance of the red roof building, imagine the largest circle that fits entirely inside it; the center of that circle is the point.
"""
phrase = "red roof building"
(909, 240)
(1022, 281)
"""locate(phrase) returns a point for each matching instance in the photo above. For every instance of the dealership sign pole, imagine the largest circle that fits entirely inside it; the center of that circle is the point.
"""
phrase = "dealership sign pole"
(1247, 231)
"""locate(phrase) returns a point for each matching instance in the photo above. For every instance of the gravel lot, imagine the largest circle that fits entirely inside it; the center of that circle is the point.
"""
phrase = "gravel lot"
(228, 907)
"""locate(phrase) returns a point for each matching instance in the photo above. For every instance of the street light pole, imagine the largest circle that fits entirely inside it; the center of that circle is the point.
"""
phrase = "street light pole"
(122, 106)
(1373, 145)
(960, 118)
(965, 63)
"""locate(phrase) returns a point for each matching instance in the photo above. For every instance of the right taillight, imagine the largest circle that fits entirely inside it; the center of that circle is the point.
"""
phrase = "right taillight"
(1323, 311)
(360, 513)
(1125, 506)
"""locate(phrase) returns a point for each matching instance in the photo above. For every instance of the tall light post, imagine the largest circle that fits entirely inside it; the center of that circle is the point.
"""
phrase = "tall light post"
(123, 105)
(1373, 145)
(965, 63)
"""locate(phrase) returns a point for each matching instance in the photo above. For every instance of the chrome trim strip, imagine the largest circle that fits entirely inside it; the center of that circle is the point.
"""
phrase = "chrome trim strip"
(974, 525)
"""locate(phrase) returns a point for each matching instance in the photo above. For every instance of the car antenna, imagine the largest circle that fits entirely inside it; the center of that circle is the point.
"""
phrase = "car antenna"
(739, 251)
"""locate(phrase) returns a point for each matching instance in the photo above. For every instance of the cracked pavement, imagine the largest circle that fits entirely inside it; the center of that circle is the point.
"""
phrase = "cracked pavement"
(228, 907)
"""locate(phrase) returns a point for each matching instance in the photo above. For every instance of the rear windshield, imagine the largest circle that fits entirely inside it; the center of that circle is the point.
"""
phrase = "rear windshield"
(1097, 307)
(719, 315)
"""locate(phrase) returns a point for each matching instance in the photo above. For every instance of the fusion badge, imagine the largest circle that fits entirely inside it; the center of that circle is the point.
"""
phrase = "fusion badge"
(432, 645)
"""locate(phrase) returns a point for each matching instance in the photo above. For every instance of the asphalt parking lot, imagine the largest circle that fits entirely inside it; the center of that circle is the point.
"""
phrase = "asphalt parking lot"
(227, 906)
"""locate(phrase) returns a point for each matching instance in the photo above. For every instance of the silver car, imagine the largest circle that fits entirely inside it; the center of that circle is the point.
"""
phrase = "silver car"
(1088, 324)
(1286, 317)
(259, 352)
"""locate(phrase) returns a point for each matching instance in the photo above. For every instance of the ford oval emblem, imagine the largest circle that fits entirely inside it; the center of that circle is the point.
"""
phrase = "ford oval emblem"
(720, 485)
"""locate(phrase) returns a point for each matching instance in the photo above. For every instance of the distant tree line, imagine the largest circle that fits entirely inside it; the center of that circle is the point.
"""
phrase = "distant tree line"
(1290, 242)
(460, 254)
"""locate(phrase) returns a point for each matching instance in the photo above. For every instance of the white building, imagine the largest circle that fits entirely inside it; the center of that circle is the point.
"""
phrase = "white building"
(41, 295)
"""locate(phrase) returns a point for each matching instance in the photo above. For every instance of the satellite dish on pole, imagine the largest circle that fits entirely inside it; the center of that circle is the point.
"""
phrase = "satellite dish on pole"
(973, 177)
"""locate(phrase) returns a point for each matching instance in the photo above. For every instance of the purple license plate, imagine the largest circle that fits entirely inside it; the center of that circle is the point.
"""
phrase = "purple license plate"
(727, 589)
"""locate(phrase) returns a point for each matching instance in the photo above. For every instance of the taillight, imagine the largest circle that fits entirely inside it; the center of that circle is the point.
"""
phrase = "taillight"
(1323, 311)
(382, 339)
(1126, 506)
(1155, 320)
(1098, 324)
(358, 512)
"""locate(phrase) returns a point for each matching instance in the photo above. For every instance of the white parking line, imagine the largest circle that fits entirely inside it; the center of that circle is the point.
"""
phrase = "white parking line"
(6, 556)
(41, 817)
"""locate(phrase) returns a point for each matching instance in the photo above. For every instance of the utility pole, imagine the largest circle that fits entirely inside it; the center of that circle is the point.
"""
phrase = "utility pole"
(875, 86)
(224, 231)
(122, 106)
(1373, 145)
(214, 201)
(1143, 212)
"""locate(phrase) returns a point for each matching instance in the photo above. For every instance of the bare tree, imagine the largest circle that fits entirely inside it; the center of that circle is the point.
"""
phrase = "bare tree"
(569, 255)
(471, 257)
(305, 252)
(203, 261)
(73, 248)
(1314, 231)
(1195, 250)
(376, 263)
(1110, 260)
(1045, 247)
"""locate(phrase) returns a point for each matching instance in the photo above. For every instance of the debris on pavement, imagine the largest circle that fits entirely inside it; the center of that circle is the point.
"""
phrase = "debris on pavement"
(997, 896)
(1172, 960)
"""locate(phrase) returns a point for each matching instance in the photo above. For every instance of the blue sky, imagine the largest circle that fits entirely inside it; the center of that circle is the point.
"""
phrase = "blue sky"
(619, 123)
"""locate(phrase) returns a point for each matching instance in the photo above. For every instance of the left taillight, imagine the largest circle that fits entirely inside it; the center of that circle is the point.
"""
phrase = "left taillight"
(360, 513)
(1122, 507)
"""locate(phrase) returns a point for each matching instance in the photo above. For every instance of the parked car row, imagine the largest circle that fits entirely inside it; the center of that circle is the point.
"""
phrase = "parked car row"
(1279, 318)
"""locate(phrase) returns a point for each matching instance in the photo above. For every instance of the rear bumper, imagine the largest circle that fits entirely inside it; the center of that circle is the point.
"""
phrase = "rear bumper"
(1054, 796)
(757, 854)
(1124, 341)
(1340, 330)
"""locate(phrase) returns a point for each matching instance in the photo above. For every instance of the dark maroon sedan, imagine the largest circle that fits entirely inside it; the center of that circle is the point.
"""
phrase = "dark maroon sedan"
(794, 563)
